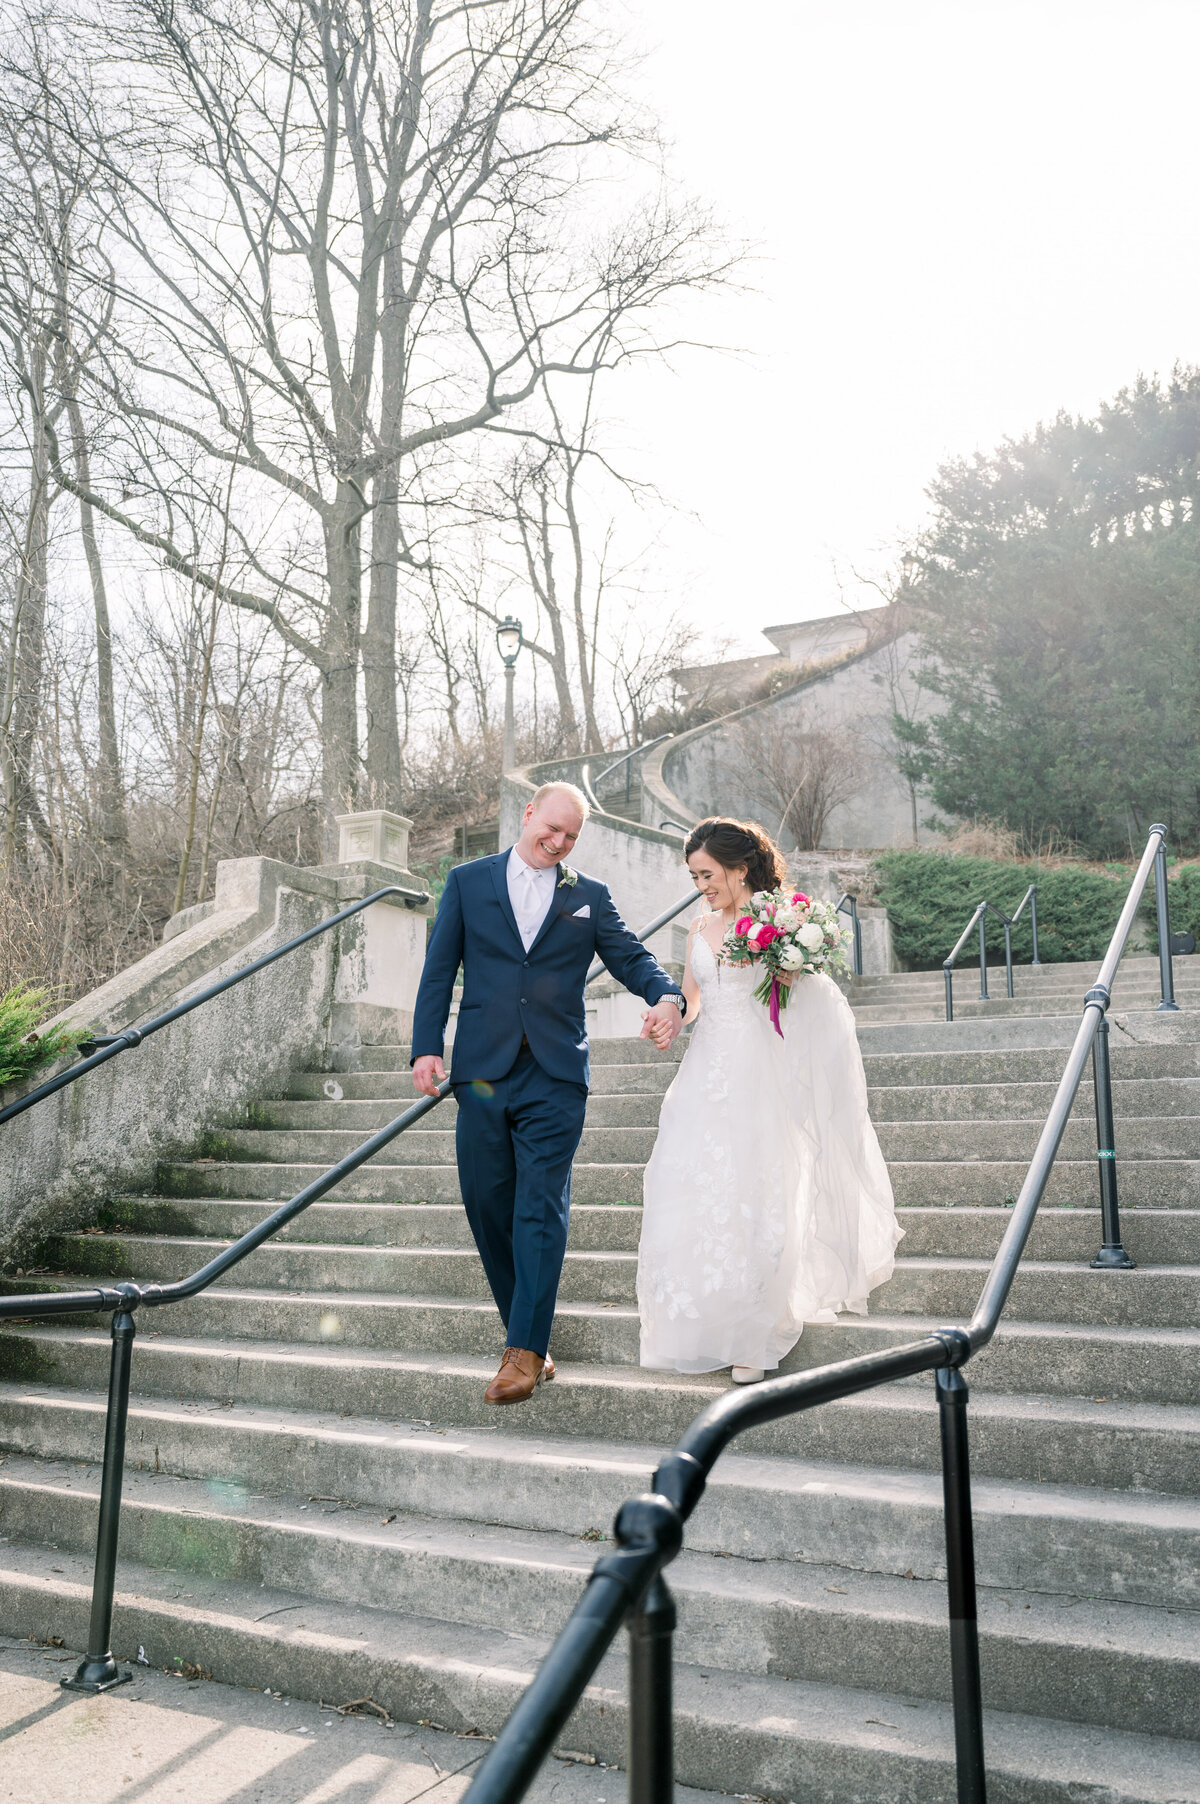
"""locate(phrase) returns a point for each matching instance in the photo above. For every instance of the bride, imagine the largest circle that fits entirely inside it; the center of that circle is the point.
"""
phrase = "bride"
(767, 1201)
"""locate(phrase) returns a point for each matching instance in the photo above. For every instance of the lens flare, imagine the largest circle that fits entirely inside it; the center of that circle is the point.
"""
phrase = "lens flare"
(330, 1326)
(481, 1088)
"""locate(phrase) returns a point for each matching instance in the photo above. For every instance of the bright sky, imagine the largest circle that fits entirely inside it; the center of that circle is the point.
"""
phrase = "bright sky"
(970, 214)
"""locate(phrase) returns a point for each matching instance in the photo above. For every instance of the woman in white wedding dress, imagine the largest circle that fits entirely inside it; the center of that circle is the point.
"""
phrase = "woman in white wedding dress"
(767, 1203)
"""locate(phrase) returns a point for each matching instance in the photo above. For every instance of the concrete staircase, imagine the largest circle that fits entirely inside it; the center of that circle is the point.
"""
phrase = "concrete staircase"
(319, 1501)
(1038, 990)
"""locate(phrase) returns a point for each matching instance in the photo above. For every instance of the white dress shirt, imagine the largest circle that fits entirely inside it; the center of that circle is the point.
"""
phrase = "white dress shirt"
(531, 892)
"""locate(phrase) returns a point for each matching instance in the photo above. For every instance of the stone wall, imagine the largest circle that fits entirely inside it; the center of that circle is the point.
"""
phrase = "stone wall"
(324, 1001)
(705, 771)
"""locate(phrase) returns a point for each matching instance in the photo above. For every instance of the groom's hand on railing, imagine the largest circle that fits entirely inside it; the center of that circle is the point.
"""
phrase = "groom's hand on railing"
(428, 1072)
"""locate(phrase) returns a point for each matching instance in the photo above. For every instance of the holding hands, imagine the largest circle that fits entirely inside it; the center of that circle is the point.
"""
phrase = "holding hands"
(662, 1024)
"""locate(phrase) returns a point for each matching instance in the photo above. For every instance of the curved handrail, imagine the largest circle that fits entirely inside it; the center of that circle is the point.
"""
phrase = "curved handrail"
(591, 786)
(979, 918)
(627, 1587)
(847, 904)
(635, 753)
(111, 1045)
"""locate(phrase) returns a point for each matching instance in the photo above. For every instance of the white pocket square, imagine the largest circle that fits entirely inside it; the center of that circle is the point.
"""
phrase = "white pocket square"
(581, 914)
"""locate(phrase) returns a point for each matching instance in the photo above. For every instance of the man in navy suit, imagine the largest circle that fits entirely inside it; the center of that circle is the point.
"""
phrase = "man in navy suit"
(525, 927)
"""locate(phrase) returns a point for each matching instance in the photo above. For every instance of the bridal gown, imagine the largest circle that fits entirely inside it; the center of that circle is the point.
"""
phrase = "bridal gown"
(767, 1203)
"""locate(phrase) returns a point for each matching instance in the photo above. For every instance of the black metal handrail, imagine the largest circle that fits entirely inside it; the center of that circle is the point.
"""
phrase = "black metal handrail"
(979, 918)
(111, 1044)
(99, 1671)
(593, 784)
(847, 904)
(627, 1586)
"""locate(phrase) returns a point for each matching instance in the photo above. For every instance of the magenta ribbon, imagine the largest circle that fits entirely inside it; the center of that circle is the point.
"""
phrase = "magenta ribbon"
(773, 1009)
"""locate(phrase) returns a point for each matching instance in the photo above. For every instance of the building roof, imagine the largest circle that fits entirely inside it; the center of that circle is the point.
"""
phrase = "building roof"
(782, 635)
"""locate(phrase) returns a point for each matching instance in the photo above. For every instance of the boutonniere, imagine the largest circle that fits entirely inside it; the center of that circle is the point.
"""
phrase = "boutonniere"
(569, 878)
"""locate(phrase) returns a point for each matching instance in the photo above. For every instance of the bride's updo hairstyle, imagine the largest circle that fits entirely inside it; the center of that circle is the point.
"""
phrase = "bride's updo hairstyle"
(740, 842)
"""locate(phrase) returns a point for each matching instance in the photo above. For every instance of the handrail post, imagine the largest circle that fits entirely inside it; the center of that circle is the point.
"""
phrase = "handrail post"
(1008, 955)
(651, 1726)
(99, 1671)
(1168, 1004)
(857, 925)
(952, 1396)
(1112, 1253)
(983, 989)
(1035, 960)
(948, 974)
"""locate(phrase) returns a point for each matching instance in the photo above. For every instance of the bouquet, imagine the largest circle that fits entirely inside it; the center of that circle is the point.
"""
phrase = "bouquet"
(787, 933)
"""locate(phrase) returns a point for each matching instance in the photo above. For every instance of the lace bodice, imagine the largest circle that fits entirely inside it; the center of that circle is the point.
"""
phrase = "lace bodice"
(726, 991)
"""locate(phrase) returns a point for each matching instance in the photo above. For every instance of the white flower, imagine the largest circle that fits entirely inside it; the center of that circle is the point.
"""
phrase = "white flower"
(787, 918)
(811, 936)
(791, 958)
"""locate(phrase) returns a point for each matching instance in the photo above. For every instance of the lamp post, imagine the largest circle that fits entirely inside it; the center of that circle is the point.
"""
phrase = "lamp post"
(509, 641)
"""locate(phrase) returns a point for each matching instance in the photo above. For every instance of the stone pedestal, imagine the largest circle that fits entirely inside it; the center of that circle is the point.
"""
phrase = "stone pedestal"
(374, 836)
(382, 950)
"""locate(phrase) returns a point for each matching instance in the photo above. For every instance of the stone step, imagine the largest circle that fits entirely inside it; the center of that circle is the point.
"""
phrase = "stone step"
(356, 1360)
(396, 1086)
(843, 1499)
(1023, 1064)
(435, 1143)
(1145, 1137)
(594, 1227)
(1151, 1236)
(1145, 1183)
(452, 1272)
(997, 1100)
(1046, 1291)
(774, 1735)
(1074, 1657)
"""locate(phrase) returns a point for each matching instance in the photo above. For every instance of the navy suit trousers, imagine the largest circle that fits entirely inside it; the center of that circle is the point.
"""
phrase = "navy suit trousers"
(516, 1139)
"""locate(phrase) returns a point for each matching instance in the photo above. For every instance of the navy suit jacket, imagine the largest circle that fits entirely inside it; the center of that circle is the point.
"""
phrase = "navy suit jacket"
(508, 992)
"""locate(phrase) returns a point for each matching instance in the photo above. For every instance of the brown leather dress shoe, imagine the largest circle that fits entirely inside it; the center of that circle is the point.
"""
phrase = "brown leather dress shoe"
(519, 1376)
(548, 1369)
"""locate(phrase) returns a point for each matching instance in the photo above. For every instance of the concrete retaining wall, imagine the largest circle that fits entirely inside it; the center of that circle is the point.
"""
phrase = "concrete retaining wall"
(105, 1134)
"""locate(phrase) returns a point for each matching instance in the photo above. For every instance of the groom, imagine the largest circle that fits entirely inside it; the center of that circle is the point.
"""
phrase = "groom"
(525, 927)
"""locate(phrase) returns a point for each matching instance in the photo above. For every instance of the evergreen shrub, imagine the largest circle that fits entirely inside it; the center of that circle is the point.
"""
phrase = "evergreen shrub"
(930, 897)
(1183, 900)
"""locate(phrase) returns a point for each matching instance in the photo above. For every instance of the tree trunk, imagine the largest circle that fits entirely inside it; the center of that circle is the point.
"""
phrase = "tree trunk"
(379, 647)
(339, 675)
(114, 828)
(28, 649)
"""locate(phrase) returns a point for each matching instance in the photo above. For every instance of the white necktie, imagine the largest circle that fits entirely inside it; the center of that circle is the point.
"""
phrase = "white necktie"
(530, 899)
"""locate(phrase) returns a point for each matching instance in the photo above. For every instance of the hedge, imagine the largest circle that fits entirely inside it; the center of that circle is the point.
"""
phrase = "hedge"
(930, 897)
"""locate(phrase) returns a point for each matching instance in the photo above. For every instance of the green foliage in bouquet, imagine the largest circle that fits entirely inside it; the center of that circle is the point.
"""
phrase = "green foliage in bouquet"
(23, 1050)
(930, 897)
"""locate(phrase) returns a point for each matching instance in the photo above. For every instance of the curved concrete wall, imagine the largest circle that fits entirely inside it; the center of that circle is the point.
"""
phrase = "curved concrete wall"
(705, 771)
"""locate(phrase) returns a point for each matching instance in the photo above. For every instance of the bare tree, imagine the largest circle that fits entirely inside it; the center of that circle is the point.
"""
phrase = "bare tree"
(802, 769)
(359, 229)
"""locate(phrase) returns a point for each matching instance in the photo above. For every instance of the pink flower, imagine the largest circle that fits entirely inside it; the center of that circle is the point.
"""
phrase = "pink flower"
(765, 935)
(742, 927)
(799, 900)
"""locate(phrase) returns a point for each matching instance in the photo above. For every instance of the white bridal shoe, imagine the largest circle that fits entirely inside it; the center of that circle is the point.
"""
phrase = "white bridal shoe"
(747, 1374)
